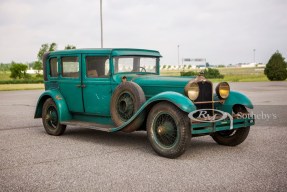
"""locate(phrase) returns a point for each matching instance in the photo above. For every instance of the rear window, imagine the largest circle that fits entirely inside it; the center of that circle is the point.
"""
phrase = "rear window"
(70, 67)
(53, 67)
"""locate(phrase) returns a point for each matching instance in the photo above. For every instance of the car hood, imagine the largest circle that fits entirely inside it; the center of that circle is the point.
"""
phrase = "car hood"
(153, 85)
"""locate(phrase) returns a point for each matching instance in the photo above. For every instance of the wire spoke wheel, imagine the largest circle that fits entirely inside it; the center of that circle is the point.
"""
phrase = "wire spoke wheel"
(165, 129)
(168, 130)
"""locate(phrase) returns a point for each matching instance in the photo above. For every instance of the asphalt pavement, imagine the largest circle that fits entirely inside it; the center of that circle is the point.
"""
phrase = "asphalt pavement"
(89, 160)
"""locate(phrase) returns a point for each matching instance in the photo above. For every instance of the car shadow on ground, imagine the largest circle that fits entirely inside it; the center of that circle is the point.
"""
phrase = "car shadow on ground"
(138, 140)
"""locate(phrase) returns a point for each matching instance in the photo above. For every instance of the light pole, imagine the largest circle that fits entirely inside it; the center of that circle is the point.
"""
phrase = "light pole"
(101, 12)
(178, 55)
(254, 50)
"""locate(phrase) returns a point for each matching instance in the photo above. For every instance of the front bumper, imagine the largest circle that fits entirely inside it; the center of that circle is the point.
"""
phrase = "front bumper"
(211, 127)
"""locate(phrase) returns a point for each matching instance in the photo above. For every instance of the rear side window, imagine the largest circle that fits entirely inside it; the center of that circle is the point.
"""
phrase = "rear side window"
(70, 67)
(53, 67)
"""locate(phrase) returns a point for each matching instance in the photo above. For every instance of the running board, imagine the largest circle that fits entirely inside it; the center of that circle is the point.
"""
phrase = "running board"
(96, 126)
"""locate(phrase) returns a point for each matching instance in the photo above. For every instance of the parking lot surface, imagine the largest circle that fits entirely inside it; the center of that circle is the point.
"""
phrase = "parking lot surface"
(88, 160)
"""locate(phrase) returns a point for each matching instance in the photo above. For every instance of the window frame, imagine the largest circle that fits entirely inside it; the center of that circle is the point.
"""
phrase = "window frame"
(86, 66)
(62, 67)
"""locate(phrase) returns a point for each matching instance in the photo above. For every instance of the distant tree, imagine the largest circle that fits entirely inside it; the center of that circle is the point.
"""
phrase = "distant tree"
(18, 70)
(221, 66)
(70, 47)
(207, 64)
(45, 48)
(4, 67)
(38, 66)
(276, 68)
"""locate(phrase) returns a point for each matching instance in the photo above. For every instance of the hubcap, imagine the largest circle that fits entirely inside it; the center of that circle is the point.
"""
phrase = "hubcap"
(125, 106)
(52, 117)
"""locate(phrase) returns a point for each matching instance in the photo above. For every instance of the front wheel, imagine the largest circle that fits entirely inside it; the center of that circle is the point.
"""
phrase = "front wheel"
(232, 137)
(168, 130)
(50, 118)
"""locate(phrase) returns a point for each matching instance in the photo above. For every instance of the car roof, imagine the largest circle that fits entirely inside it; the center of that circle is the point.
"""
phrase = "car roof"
(109, 51)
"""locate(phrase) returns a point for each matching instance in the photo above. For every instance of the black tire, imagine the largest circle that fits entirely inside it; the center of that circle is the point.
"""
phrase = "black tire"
(232, 137)
(168, 130)
(127, 98)
(50, 118)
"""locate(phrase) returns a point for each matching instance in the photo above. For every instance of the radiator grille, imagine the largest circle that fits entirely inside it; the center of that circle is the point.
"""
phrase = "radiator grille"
(205, 94)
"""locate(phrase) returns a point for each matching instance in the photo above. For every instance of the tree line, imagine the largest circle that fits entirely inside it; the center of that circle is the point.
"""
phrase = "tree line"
(19, 70)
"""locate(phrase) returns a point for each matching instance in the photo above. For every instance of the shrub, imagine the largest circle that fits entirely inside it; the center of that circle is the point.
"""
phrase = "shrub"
(276, 68)
(188, 73)
(209, 73)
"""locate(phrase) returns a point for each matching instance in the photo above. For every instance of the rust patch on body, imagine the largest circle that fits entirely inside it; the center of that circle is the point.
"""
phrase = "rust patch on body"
(58, 97)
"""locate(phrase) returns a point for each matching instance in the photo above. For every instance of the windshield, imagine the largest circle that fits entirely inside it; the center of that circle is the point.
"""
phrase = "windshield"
(135, 64)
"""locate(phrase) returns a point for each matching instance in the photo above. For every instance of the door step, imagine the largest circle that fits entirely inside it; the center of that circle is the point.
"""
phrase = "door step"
(89, 125)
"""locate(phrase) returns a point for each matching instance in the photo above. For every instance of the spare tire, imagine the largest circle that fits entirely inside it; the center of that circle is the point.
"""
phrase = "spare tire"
(127, 98)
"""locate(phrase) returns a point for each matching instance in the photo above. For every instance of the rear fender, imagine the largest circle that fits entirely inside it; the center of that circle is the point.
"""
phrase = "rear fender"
(63, 111)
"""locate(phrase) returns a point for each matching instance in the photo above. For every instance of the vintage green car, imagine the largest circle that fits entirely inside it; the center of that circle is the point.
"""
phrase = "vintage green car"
(122, 90)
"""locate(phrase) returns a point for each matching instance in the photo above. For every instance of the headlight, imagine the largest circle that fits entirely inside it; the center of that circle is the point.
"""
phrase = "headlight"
(222, 90)
(192, 91)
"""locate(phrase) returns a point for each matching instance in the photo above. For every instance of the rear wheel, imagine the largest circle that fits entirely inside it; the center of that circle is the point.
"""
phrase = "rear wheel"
(50, 118)
(168, 130)
(232, 137)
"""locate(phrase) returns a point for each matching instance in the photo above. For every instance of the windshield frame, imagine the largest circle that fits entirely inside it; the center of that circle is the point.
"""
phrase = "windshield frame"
(130, 72)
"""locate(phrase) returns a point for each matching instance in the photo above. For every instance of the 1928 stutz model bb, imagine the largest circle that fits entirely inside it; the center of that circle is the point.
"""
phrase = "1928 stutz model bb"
(121, 90)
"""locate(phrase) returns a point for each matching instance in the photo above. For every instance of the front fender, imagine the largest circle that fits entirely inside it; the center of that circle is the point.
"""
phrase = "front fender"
(235, 98)
(181, 101)
(63, 111)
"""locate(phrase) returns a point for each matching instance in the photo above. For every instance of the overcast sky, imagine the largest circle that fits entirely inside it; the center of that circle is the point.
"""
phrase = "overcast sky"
(222, 31)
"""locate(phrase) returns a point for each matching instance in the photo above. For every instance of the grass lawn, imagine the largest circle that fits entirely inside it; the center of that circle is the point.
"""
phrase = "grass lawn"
(5, 75)
(10, 87)
(230, 74)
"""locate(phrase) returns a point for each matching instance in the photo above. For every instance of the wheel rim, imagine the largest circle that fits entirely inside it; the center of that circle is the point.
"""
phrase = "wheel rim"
(52, 117)
(165, 130)
(125, 106)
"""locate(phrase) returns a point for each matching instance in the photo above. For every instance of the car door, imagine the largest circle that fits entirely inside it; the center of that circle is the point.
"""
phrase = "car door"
(70, 82)
(97, 82)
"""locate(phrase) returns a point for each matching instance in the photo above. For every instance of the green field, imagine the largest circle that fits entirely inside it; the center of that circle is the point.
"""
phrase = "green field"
(12, 87)
(230, 74)
(9, 87)
(4, 75)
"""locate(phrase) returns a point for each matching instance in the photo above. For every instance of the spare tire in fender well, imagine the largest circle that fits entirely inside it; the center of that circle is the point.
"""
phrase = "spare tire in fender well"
(126, 100)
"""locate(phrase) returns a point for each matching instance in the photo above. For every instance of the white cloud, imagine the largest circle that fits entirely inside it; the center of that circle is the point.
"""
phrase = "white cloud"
(221, 31)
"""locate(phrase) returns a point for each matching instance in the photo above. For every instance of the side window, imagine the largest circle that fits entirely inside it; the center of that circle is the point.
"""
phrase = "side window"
(53, 67)
(97, 66)
(70, 67)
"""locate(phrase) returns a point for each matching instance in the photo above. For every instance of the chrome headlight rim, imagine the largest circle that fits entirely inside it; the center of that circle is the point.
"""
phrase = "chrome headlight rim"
(192, 90)
(223, 90)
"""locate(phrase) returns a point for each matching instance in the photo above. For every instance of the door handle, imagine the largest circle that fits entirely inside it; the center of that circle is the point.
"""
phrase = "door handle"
(81, 86)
